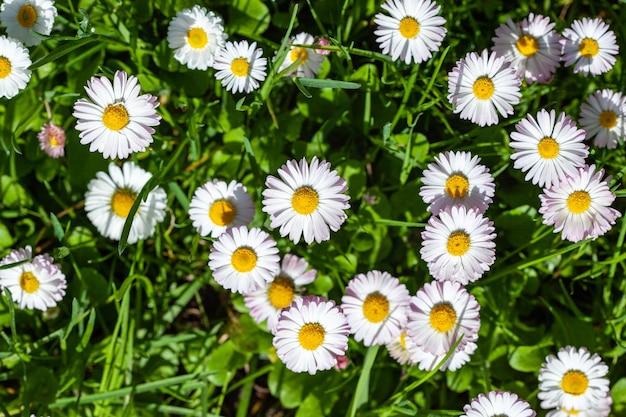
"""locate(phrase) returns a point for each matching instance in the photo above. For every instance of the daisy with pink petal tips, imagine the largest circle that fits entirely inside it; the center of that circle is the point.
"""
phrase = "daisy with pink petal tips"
(590, 46)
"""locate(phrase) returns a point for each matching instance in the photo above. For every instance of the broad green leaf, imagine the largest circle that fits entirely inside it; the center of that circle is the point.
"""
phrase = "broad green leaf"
(248, 17)
(527, 358)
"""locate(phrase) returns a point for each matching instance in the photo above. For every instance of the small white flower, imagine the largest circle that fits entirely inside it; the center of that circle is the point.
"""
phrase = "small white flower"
(498, 403)
(427, 361)
(22, 16)
(603, 116)
(398, 348)
(14, 63)
(601, 409)
(52, 140)
(590, 46)
(240, 67)
(307, 61)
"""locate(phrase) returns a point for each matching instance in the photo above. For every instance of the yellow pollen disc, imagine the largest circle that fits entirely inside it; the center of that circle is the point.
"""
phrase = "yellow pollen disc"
(527, 45)
(5, 67)
(588, 48)
(578, 202)
(375, 307)
(27, 16)
(240, 67)
(457, 186)
(222, 212)
(458, 243)
(442, 317)
(483, 88)
(570, 412)
(281, 291)
(608, 119)
(29, 282)
(115, 117)
(548, 148)
(197, 38)
(53, 139)
(311, 336)
(122, 201)
(243, 259)
(574, 383)
(299, 53)
(403, 340)
(305, 200)
(409, 27)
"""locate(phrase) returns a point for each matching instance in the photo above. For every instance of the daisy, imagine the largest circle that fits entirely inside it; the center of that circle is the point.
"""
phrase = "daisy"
(481, 86)
(306, 63)
(240, 67)
(427, 361)
(456, 178)
(574, 379)
(307, 200)
(217, 206)
(14, 63)
(498, 403)
(52, 140)
(458, 245)
(33, 282)
(579, 206)
(196, 36)
(119, 120)
(398, 348)
(532, 46)
(22, 16)
(602, 118)
(110, 197)
(412, 32)
(244, 260)
(375, 304)
(440, 313)
(590, 46)
(267, 302)
(602, 409)
(548, 149)
(311, 334)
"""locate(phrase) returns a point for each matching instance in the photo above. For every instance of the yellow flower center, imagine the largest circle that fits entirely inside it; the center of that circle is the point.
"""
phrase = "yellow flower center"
(243, 259)
(574, 383)
(240, 67)
(115, 117)
(458, 243)
(608, 119)
(299, 53)
(27, 16)
(527, 45)
(222, 212)
(570, 412)
(311, 336)
(403, 340)
(53, 139)
(409, 27)
(578, 202)
(197, 38)
(29, 282)
(122, 201)
(548, 148)
(5, 67)
(457, 186)
(442, 317)
(588, 48)
(305, 200)
(483, 88)
(281, 292)
(375, 307)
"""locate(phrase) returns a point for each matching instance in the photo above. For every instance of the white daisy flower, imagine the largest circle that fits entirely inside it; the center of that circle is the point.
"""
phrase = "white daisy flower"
(376, 305)
(196, 35)
(548, 149)
(456, 178)
(458, 245)
(243, 260)
(590, 46)
(440, 313)
(240, 67)
(532, 46)
(307, 200)
(22, 16)
(398, 348)
(311, 334)
(427, 361)
(574, 379)
(307, 62)
(33, 282)
(287, 285)
(412, 32)
(119, 120)
(52, 140)
(601, 409)
(110, 197)
(217, 206)
(14, 63)
(481, 86)
(579, 206)
(498, 403)
(603, 116)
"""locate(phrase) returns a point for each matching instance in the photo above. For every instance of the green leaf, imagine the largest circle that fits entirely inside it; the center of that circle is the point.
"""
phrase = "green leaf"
(62, 50)
(248, 17)
(319, 83)
(361, 394)
(310, 407)
(14, 196)
(618, 391)
(527, 358)
(225, 361)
